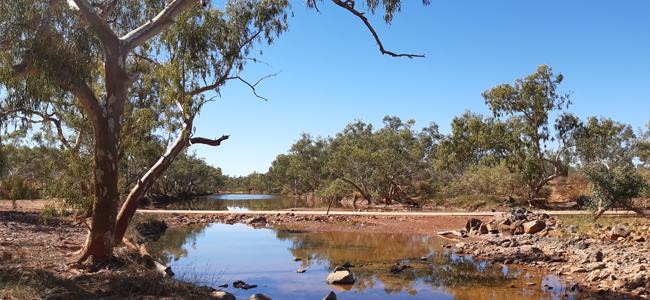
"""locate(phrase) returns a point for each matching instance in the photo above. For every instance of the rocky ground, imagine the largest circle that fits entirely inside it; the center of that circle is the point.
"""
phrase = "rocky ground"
(613, 261)
(38, 256)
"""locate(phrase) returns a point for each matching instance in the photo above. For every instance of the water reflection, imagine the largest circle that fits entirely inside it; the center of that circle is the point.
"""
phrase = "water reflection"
(222, 253)
(246, 202)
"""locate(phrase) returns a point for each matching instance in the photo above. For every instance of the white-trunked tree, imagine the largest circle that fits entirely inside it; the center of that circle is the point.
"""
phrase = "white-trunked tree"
(129, 68)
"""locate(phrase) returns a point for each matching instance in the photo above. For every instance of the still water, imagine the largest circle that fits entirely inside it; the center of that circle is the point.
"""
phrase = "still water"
(220, 254)
(245, 202)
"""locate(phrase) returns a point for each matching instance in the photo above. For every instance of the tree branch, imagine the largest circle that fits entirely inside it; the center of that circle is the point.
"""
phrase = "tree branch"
(252, 86)
(44, 118)
(351, 9)
(216, 142)
(103, 30)
(152, 28)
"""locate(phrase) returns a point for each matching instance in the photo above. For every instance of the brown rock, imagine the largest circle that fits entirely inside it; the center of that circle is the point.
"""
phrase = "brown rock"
(483, 229)
(534, 226)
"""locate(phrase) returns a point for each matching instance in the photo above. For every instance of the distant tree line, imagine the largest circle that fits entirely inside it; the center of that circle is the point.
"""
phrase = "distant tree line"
(516, 151)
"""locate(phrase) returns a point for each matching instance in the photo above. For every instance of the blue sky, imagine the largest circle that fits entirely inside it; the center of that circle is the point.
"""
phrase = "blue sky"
(333, 73)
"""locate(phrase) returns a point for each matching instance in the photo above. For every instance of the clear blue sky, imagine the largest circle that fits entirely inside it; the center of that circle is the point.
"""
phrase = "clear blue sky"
(333, 72)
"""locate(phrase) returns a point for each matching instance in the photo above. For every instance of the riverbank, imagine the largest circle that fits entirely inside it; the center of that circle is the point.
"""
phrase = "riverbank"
(38, 257)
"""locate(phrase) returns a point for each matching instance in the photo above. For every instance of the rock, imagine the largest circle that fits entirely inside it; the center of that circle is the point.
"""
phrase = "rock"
(596, 266)
(259, 297)
(256, 219)
(618, 285)
(595, 275)
(530, 249)
(297, 259)
(248, 286)
(397, 268)
(340, 277)
(595, 256)
(223, 286)
(301, 271)
(483, 229)
(492, 228)
(423, 258)
(518, 213)
(639, 291)
(597, 226)
(238, 284)
(221, 295)
(619, 231)
(473, 224)
(534, 226)
(330, 296)
(638, 268)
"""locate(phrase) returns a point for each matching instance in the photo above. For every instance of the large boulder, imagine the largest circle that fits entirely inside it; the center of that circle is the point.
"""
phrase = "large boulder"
(340, 277)
(259, 297)
(221, 295)
(534, 226)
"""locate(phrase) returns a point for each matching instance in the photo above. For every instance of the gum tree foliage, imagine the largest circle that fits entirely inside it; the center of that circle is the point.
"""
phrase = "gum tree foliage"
(380, 164)
(532, 99)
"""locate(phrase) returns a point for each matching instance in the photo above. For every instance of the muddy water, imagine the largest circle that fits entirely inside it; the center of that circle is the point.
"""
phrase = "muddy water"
(221, 254)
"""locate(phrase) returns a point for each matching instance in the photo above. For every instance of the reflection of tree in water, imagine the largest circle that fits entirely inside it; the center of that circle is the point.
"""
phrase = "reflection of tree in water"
(462, 276)
(276, 203)
(170, 247)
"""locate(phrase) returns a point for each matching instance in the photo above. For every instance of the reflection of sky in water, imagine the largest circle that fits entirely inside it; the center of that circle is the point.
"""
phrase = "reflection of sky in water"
(221, 253)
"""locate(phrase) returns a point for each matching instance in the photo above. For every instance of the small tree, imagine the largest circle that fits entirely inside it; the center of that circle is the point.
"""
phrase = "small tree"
(614, 188)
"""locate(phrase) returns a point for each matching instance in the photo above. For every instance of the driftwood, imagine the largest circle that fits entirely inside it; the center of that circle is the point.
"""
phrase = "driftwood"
(149, 262)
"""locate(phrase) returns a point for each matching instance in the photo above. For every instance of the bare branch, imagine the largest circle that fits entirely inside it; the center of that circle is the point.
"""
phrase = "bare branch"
(252, 86)
(211, 142)
(351, 9)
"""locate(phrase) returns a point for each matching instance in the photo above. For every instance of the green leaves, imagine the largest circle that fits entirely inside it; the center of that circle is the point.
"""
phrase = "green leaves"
(614, 188)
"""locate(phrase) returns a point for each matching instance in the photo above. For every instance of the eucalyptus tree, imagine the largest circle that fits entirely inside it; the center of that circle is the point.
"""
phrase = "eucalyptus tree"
(307, 163)
(604, 149)
(381, 164)
(532, 99)
(103, 57)
(127, 68)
